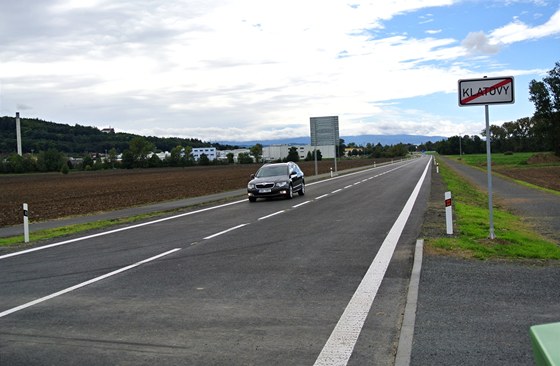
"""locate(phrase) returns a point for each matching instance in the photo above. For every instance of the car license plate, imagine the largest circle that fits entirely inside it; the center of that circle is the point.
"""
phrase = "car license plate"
(265, 190)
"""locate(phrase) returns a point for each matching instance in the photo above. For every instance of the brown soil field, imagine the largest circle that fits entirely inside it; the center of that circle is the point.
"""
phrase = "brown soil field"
(55, 195)
(547, 177)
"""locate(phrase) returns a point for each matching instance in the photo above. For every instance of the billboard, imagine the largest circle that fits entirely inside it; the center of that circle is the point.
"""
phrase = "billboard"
(324, 131)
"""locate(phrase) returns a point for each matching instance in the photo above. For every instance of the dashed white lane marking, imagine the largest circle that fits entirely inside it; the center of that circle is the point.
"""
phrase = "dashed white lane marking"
(323, 196)
(118, 230)
(272, 214)
(301, 204)
(225, 231)
(83, 284)
(339, 346)
(337, 190)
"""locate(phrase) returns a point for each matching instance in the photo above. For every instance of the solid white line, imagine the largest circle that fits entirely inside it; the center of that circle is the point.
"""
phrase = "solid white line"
(83, 284)
(116, 230)
(301, 204)
(272, 214)
(339, 346)
(225, 231)
(404, 349)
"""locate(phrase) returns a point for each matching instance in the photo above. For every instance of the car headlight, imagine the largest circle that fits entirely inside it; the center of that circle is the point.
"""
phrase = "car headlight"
(251, 186)
(282, 184)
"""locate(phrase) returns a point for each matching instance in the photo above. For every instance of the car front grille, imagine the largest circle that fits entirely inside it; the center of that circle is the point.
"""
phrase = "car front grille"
(264, 185)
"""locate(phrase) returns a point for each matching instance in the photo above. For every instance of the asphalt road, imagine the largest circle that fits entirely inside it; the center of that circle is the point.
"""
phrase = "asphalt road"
(280, 282)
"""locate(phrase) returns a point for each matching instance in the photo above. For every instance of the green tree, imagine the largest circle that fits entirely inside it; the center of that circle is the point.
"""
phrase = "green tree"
(87, 163)
(176, 158)
(111, 159)
(50, 160)
(127, 159)
(293, 154)
(154, 161)
(545, 95)
(244, 158)
(256, 151)
(203, 160)
(140, 147)
(230, 157)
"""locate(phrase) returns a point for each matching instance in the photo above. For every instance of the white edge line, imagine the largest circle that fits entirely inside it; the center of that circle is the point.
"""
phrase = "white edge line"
(340, 345)
(272, 214)
(116, 230)
(404, 349)
(83, 284)
(225, 231)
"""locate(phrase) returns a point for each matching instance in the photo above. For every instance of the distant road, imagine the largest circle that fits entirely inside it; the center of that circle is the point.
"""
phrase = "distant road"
(238, 284)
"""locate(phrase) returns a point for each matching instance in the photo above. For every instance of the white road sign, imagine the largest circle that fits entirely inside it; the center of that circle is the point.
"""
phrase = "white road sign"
(485, 91)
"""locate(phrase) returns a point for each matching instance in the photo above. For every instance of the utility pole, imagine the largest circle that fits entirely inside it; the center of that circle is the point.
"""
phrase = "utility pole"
(18, 134)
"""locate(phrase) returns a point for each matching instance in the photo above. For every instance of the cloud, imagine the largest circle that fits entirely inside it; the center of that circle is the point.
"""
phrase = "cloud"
(478, 43)
(232, 67)
(517, 31)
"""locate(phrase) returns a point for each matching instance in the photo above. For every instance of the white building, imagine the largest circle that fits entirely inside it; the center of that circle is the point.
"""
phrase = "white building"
(210, 153)
(222, 154)
(276, 152)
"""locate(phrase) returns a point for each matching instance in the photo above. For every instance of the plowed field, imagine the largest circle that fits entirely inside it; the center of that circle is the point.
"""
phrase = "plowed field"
(54, 195)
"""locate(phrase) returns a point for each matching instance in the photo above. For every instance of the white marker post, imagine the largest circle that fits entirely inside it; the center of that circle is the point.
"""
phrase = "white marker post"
(498, 90)
(448, 213)
(25, 223)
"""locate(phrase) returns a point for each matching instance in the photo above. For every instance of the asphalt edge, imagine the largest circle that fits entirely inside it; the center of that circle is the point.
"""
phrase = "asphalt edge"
(404, 348)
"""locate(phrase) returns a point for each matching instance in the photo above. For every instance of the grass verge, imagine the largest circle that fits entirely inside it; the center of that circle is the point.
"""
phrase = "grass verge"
(73, 229)
(514, 239)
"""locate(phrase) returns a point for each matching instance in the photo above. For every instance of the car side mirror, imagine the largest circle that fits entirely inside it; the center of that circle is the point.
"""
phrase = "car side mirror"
(252, 176)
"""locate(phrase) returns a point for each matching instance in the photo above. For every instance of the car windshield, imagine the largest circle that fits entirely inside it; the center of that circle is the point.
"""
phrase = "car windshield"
(272, 171)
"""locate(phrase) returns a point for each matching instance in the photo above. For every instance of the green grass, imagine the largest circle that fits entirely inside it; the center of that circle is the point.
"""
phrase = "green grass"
(516, 160)
(73, 229)
(514, 239)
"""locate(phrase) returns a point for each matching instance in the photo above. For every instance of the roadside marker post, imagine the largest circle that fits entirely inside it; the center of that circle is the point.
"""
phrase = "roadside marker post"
(485, 91)
(448, 213)
(25, 223)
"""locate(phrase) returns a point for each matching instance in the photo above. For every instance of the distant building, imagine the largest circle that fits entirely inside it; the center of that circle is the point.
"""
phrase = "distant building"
(108, 130)
(222, 154)
(210, 153)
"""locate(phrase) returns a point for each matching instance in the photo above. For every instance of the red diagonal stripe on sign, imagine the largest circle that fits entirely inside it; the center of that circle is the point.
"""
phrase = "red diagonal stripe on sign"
(485, 91)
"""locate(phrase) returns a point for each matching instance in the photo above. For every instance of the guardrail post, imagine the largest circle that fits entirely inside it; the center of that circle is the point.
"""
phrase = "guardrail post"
(25, 223)
(448, 213)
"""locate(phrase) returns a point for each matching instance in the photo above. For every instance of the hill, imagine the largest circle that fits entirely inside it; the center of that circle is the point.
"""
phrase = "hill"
(39, 135)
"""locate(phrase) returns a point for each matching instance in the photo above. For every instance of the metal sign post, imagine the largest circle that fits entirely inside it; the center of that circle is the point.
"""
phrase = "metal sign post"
(485, 91)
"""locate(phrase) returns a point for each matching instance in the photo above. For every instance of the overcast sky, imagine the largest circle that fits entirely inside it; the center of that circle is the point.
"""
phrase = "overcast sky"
(256, 69)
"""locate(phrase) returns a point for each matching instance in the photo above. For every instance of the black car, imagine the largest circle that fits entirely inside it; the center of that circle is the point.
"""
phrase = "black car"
(276, 180)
